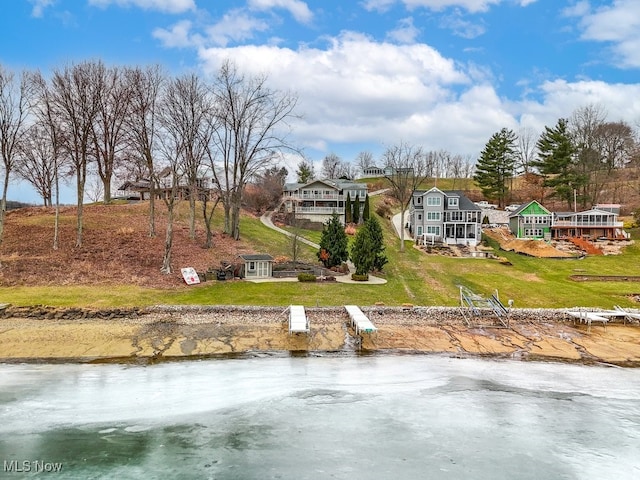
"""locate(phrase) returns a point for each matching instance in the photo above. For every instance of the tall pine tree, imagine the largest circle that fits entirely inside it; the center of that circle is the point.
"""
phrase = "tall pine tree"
(365, 212)
(556, 162)
(356, 210)
(496, 166)
(348, 210)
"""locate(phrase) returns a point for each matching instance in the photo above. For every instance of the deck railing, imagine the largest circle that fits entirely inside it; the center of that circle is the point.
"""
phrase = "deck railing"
(595, 224)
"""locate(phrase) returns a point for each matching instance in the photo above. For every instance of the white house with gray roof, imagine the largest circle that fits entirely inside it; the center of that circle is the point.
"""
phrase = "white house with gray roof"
(444, 216)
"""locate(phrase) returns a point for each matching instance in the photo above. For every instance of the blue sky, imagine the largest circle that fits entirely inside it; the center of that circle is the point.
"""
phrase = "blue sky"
(444, 74)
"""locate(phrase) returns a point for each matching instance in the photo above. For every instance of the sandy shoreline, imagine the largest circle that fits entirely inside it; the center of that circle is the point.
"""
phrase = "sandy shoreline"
(184, 332)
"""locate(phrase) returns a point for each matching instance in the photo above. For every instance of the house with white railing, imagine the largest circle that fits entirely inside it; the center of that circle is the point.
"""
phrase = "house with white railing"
(590, 224)
(319, 199)
(444, 216)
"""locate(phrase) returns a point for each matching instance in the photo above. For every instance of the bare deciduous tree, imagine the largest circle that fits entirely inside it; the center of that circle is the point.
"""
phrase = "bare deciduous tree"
(75, 101)
(248, 134)
(364, 159)
(14, 110)
(36, 163)
(145, 86)
(408, 170)
(331, 165)
(526, 149)
(108, 129)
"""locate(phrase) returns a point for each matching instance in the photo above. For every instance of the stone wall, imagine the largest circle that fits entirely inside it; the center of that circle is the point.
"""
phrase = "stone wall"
(404, 315)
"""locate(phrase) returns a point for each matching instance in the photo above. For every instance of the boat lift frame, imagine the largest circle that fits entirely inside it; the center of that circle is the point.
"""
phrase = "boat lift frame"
(475, 306)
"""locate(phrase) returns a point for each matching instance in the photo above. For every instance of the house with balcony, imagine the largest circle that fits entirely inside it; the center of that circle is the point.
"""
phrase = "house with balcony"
(444, 216)
(590, 224)
(317, 200)
(531, 221)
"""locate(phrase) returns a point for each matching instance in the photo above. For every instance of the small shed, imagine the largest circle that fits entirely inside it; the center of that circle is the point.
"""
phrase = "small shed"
(257, 265)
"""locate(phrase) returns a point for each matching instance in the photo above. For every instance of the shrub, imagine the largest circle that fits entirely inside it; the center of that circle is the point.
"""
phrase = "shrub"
(359, 277)
(306, 277)
(383, 210)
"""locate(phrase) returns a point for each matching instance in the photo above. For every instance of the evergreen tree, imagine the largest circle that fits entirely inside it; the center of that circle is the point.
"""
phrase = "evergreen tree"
(333, 243)
(356, 210)
(496, 165)
(556, 162)
(362, 254)
(367, 252)
(365, 213)
(305, 172)
(377, 240)
(348, 210)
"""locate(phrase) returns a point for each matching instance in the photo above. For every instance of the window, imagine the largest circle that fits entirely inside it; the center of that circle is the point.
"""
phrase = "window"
(419, 231)
(434, 201)
(419, 200)
(252, 266)
(453, 202)
(433, 230)
(456, 216)
(419, 216)
(433, 216)
(533, 232)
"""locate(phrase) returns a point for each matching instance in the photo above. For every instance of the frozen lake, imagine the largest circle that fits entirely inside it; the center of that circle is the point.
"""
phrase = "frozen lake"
(380, 417)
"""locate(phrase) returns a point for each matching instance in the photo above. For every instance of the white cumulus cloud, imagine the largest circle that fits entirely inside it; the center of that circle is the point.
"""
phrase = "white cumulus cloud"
(168, 6)
(300, 10)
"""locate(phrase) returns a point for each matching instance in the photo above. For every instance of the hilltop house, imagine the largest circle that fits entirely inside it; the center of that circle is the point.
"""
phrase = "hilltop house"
(319, 199)
(446, 216)
(139, 189)
(531, 221)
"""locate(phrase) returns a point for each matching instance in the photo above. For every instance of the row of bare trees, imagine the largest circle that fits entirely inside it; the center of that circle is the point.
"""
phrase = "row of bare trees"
(140, 123)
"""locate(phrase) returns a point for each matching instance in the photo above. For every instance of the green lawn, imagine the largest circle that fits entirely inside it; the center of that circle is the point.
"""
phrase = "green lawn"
(412, 277)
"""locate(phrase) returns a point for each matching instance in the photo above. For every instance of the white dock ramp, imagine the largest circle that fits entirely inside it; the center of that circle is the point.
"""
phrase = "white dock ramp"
(359, 320)
(298, 322)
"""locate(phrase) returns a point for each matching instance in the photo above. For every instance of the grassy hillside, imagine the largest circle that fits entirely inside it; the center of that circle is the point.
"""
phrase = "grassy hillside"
(413, 277)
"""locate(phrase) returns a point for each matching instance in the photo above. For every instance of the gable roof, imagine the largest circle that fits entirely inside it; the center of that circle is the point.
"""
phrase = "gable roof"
(463, 204)
(336, 184)
(525, 206)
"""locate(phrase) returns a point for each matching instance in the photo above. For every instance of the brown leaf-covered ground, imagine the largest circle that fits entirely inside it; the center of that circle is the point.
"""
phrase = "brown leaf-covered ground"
(116, 247)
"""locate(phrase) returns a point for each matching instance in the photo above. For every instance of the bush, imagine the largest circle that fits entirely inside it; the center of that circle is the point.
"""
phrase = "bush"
(359, 278)
(383, 210)
(306, 277)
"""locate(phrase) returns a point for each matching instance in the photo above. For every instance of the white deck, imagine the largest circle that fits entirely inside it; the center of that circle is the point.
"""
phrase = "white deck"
(298, 322)
(359, 320)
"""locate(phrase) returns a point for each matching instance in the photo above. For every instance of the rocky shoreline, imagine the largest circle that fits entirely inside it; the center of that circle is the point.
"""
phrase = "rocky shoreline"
(46, 334)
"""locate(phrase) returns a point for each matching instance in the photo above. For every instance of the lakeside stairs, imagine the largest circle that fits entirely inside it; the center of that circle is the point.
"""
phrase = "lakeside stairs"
(586, 246)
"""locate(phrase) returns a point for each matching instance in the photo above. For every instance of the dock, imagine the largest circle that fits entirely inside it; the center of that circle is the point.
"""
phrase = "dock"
(359, 321)
(298, 321)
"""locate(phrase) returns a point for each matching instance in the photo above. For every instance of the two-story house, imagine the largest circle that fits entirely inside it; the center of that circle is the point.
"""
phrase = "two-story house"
(446, 216)
(319, 199)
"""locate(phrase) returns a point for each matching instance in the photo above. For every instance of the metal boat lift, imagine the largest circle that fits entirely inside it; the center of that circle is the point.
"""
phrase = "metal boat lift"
(475, 306)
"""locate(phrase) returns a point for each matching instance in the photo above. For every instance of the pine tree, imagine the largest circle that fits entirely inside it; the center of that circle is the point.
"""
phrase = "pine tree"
(365, 213)
(348, 210)
(556, 161)
(356, 210)
(305, 172)
(333, 243)
(362, 252)
(496, 165)
(367, 252)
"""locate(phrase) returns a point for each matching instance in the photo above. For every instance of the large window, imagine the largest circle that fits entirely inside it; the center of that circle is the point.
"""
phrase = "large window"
(532, 232)
(433, 216)
(434, 201)
(456, 216)
(433, 230)
(453, 202)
